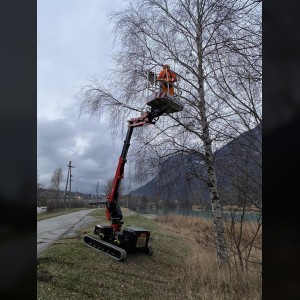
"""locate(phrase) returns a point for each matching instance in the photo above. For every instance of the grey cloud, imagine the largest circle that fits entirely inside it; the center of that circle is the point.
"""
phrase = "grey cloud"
(95, 161)
(74, 42)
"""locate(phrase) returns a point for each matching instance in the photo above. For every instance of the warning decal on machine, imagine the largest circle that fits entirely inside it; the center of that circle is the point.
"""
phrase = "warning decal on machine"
(141, 241)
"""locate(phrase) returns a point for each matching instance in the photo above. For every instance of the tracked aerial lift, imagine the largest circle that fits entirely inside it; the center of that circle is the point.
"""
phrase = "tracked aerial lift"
(113, 241)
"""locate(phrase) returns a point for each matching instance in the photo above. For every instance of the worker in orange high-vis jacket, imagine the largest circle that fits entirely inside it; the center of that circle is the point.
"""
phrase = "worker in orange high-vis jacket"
(167, 79)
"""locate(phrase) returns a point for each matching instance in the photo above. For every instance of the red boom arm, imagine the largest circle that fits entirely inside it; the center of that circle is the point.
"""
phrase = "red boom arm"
(113, 211)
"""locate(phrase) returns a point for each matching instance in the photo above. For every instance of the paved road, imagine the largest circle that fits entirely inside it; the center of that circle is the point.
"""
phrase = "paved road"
(65, 225)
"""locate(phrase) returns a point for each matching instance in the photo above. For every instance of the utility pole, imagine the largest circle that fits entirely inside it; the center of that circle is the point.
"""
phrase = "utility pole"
(97, 190)
(70, 166)
(68, 177)
(65, 193)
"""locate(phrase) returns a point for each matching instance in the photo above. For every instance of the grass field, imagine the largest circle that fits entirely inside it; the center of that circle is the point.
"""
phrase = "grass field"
(180, 268)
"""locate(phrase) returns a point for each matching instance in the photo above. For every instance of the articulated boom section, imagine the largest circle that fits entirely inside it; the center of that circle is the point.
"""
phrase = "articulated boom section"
(113, 211)
(145, 119)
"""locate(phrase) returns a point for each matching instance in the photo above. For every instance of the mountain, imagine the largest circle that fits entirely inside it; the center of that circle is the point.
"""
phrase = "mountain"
(237, 163)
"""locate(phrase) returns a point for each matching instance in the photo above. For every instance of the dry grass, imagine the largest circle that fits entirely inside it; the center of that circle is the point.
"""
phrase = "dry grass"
(201, 276)
(239, 208)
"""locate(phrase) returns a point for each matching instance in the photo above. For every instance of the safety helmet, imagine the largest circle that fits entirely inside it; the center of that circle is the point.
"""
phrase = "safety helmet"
(167, 66)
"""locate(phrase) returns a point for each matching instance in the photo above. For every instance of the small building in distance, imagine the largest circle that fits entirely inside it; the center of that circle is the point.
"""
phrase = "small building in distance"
(41, 209)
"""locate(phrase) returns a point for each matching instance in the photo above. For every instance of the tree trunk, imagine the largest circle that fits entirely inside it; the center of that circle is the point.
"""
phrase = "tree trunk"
(214, 196)
(216, 207)
(211, 173)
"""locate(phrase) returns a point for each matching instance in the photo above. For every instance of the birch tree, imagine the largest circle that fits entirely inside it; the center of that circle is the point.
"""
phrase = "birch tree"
(205, 42)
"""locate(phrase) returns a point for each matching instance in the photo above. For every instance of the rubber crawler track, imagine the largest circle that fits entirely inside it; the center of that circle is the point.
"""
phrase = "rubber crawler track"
(106, 248)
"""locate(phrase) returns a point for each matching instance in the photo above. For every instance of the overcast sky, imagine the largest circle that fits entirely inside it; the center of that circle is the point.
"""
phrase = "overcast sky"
(75, 42)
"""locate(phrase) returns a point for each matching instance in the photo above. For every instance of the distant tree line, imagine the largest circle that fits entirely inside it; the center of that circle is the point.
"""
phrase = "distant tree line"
(53, 197)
